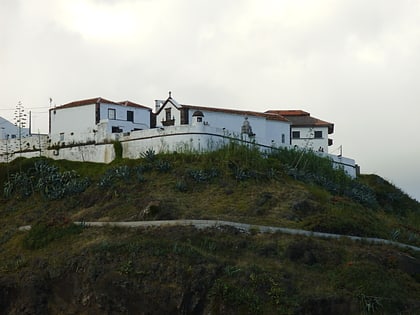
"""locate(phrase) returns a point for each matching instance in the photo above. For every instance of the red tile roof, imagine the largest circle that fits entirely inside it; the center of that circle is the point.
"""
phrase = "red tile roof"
(268, 116)
(300, 118)
(289, 112)
(98, 100)
(131, 104)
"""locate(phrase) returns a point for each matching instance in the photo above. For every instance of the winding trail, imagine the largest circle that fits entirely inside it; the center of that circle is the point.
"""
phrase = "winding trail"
(203, 224)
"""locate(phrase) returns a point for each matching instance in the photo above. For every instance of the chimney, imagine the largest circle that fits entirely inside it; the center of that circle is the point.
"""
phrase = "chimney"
(158, 104)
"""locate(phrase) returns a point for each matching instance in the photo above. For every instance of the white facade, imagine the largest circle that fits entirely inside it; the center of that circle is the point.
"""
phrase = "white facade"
(94, 121)
(311, 138)
(72, 125)
(10, 131)
(267, 132)
(30, 146)
(121, 120)
(267, 129)
(83, 130)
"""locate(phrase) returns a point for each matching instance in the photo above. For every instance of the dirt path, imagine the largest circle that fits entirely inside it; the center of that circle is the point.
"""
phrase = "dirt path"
(202, 224)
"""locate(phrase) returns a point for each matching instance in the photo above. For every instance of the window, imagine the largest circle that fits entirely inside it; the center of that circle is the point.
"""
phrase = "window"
(130, 115)
(168, 114)
(296, 134)
(116, 129)
(318, 134)
(199, 119)
(283, 138)
(62, 136)
(111, 113)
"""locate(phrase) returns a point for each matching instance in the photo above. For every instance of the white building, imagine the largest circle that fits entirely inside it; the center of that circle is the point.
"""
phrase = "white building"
(9, 130)
(268, 129)
(95, 120)
(307, 132)
(83, 131)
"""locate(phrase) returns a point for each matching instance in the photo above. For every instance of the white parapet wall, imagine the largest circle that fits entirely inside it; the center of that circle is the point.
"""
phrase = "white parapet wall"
(99, 153)
(27, 147)
(184, 138)
(348, 165)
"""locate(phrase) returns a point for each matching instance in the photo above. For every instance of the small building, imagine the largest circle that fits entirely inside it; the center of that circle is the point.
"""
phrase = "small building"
(8, 130)
(306, 131)
(95, 120)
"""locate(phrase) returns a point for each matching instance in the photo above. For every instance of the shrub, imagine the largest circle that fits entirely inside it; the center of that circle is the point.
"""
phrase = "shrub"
(112, 176)
(310, 168)
(163, 166)
(118, 149)
(47, 180)
(181, 186)
(198, 175)
(149, 156)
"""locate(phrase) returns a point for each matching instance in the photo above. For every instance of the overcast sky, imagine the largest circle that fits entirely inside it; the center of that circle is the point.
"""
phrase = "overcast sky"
(355, 63)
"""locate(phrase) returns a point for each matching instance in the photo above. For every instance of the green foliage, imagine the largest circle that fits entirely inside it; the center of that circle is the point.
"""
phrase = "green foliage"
(45, 179)
(149, 156)
(181, 186)
(41, 235)
(202, 175)
(375, 287)
(311, 168)
(163, 166)
(391, 198)
(18, 183)
(118, 149)
(114, 175)
(238, 298)
(198, 175)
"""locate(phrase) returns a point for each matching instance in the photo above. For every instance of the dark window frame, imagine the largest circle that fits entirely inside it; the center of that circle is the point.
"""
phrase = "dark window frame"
(168, 114)
(130, 115)
(112, 113)
(296, 134)
(116, 129)
(318, 134)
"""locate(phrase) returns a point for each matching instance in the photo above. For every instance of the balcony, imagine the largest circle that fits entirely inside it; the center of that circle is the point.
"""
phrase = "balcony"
(168, 122)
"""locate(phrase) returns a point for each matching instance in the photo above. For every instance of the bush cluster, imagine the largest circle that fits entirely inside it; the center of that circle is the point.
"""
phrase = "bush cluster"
(313, 169)
(123, 173)
(45, 179)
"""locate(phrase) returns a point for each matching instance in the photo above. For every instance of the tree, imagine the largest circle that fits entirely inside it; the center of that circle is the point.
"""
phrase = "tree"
(20, 122)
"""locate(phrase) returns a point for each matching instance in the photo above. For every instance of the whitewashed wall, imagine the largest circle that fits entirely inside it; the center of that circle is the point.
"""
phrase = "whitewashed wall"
(77, 124)
(183, 138)
(100, 153)
(275, 131)
(9, 130)
(32, 146)
(141, 117)
(175, 114)
(265, 130)
(347, 164)
(307, 139)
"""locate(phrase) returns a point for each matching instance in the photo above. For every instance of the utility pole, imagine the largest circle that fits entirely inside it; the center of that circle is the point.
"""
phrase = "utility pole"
(39, 144)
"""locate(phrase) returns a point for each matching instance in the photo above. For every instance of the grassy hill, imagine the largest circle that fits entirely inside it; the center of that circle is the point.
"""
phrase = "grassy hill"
(60, 268)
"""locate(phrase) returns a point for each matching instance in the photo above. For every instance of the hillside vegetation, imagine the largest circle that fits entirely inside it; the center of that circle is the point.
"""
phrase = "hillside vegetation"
(61, 268)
